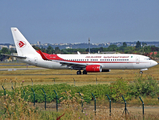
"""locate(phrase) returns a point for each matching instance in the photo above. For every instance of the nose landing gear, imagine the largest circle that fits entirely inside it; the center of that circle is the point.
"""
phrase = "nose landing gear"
(141, 72)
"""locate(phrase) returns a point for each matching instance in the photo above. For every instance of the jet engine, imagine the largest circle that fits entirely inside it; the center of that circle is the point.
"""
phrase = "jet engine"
(94, 68)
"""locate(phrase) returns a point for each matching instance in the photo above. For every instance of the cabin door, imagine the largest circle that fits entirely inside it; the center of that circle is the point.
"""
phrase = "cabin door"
(137, 60)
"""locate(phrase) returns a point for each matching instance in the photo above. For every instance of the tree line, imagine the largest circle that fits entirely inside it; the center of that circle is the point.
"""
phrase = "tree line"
(139, 48)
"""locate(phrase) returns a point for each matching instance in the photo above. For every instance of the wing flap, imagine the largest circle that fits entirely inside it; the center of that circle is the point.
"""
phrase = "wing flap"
(73, 64)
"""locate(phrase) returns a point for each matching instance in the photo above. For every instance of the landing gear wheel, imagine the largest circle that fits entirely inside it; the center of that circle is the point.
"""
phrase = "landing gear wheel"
(79, 72)
(141, 72)
(84, 72)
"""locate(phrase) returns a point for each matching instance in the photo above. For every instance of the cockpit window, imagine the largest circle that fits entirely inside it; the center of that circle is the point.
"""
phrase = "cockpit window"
(147, 58)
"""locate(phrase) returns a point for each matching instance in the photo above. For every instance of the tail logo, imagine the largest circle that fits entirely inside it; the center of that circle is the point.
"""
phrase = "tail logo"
(21, 44)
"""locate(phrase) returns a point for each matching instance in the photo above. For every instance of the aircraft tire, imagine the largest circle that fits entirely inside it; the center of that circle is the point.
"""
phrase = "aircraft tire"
(79, 72)
(141, 72)
(84, 72)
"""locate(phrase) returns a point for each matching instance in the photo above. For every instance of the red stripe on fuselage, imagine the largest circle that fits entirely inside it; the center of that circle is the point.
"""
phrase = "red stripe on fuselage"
(56, 57)
(51, 56)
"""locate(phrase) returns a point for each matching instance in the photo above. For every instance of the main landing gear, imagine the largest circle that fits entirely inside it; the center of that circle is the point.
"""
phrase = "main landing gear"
(79, 72)
(84, 72)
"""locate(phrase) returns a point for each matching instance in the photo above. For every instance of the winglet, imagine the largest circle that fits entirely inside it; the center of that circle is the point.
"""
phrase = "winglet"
(42, 55)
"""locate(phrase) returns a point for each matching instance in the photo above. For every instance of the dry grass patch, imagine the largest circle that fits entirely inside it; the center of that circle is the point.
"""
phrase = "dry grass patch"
(46, 76)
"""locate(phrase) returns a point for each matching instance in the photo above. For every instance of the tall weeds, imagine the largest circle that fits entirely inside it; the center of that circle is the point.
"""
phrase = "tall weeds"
(13, 105)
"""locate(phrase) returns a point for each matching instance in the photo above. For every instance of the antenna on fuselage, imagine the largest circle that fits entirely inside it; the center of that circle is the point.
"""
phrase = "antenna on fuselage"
(89, 45)
(78, 53)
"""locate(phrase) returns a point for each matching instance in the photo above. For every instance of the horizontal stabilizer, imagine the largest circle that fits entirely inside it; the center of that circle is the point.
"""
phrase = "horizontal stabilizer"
(20, 57)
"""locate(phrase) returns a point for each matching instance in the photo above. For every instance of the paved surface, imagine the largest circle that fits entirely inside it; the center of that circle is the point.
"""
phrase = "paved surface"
(14, 69)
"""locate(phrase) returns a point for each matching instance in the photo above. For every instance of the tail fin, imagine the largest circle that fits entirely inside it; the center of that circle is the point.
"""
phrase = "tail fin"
(22, 45)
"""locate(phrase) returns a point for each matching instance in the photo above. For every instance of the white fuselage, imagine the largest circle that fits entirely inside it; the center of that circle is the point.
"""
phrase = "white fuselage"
(107, 61)
(85, 62)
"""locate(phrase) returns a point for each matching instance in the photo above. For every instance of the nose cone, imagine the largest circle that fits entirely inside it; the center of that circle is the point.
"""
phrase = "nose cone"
(154, 63)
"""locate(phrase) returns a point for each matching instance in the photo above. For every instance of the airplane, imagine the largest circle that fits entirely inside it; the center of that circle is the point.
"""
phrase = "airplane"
(80, 62)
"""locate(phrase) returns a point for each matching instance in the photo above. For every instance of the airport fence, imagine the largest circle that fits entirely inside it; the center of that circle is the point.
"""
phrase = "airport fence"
(57, 103)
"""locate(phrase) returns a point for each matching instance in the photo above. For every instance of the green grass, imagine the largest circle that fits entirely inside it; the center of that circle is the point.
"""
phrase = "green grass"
(142, 86)
(86, 84)
(15, 107)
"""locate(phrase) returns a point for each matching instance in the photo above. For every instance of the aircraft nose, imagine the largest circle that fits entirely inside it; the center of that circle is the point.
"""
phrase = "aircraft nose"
(153, 63)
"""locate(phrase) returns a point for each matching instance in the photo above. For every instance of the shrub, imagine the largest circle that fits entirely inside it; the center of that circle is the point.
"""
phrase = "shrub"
(147, 86)
(119, 88)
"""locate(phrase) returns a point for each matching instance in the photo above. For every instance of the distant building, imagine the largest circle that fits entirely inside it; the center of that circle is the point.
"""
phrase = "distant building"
(3, 46)
(61, 44)
(68, 47)
(12, 47)
(38, 43)
(46, 44)
(108, 43)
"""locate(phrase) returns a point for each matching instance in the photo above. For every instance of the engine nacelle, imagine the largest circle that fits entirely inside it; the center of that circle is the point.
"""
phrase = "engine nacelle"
(94, 68)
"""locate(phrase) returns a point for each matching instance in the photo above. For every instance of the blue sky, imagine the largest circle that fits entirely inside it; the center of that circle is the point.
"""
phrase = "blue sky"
(71, 21)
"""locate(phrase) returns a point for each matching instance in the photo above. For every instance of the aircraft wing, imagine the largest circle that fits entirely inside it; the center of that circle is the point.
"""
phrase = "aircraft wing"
(73, 64)
(20, 57)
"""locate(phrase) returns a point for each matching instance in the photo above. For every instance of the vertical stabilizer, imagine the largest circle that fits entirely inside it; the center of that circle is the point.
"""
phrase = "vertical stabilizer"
(22, 45)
